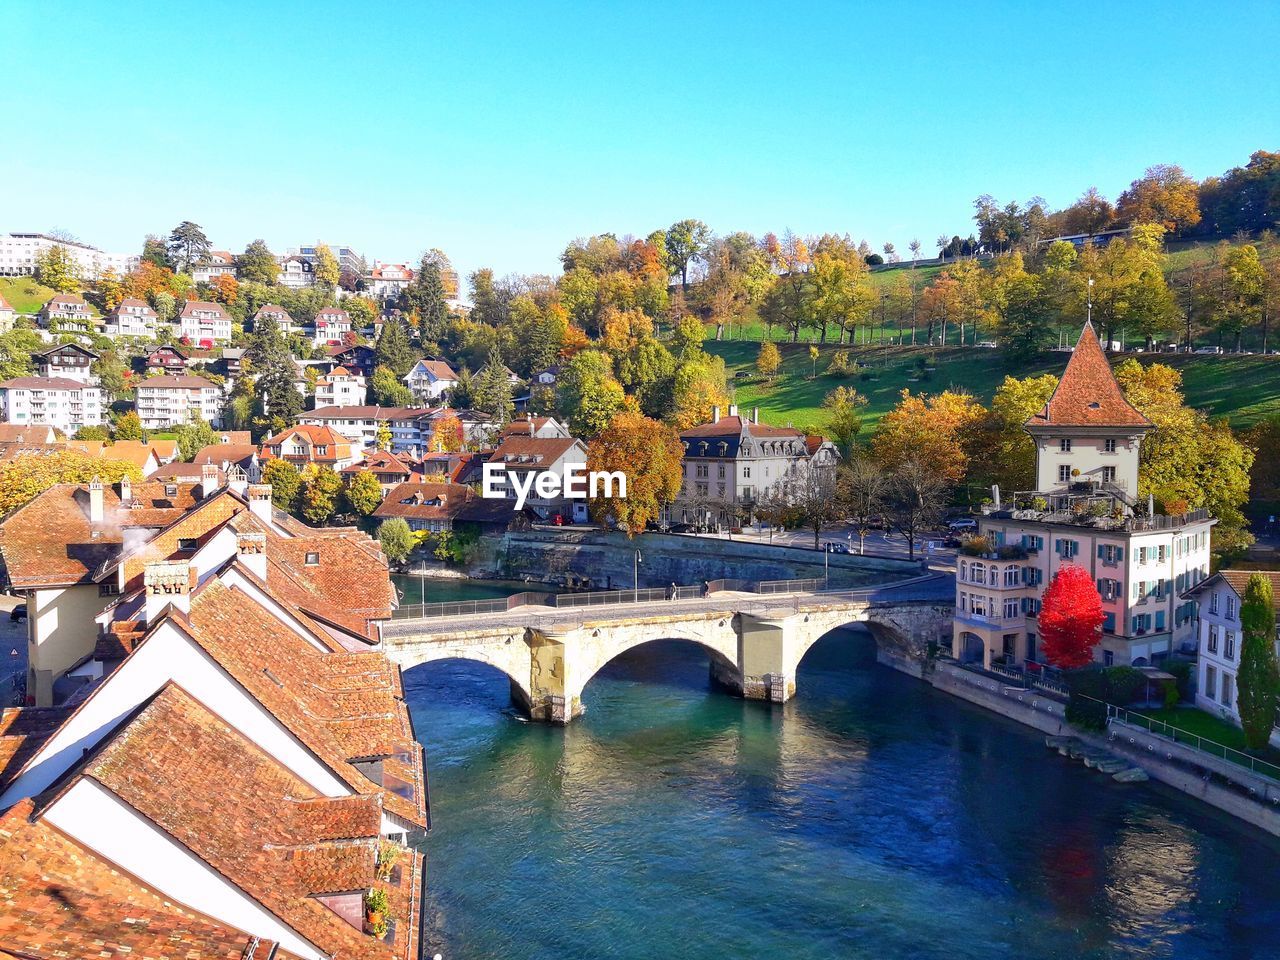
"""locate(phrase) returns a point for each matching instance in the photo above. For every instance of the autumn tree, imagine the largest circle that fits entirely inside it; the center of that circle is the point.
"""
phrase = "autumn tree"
(188, 246)
(1070, 618)
(128, 426)
(57, 269)
(446, 434)
(1004, 452)
(700, 384)
(915, 496)
(1258, 679)
(936, 430)
(649, 454)
(862, 490)
(26, 476)
(363, 494)
(318, 499)
(768, 360)
(1164, 195)
(325, 267)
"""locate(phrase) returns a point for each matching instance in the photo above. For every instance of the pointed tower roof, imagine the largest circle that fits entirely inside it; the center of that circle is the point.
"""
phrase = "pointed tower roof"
(1088, 395)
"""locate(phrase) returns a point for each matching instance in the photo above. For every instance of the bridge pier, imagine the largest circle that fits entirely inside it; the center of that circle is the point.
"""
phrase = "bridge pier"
(767, 657)
(554, 696)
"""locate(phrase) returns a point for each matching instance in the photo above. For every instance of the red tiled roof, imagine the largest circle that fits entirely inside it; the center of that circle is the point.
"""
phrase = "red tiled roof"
(191, 306)
(438, 369)
(1088, 395)
(737, 426)
(59, 901)
(425, 500)
(545, 451)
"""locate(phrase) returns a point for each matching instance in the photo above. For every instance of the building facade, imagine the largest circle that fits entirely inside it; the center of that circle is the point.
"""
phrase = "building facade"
(204, 323)
(171, 401)
(68, 313)
(1084, 513)
(331, 325)
(1220, 637)
(56, 401)
(20, 253)
(341, 388)
(430, 379)
(218, 263)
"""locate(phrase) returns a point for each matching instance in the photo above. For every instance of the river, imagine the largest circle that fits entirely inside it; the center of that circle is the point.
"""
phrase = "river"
(870, 817)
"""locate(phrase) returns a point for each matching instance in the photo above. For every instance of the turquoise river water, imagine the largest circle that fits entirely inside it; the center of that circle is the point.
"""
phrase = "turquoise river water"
(871, 817)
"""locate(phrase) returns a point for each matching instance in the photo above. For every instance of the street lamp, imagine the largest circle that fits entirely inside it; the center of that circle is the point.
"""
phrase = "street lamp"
(635, 576)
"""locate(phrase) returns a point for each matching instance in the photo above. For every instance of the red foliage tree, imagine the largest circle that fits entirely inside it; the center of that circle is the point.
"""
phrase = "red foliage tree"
(1070, 618)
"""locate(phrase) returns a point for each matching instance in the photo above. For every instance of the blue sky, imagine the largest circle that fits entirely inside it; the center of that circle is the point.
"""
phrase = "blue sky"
(500, 131)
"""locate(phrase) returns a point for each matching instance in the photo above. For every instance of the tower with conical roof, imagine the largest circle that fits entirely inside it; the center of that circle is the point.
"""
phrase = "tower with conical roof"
(1088, 431)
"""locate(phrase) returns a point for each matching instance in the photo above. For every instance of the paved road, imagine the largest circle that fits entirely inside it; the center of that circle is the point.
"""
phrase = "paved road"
(878, 542)
(937, 586)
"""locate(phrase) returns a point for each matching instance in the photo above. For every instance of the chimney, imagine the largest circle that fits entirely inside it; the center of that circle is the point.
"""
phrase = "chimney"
(96, 510)
(755, 414)
(260, 501)
(126, 491)
(167, 582)
(251, 549)
(208, 480)
(715, 414)
(733, 409)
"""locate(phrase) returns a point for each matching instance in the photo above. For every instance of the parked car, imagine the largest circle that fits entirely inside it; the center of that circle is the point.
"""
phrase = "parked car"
(18, 613)
(1214, 350)
(986, 344)
(682, 528)
(963, 525)
(831, 546)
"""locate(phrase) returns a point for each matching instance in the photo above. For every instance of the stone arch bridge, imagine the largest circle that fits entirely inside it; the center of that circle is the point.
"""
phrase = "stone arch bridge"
(756, 642)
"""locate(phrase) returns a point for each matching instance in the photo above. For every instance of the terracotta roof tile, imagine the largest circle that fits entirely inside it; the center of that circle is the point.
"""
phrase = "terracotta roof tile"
(1088, 395)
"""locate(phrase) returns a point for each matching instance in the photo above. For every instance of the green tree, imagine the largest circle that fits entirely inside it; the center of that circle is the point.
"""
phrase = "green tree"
(396, 539)
(587, 393)
(165, 305)
(93, 433)
(193, 437)
(285, 482)
(188, 246)
(57, 269)
(491, 391)
(16, 348)
(425, 296)
(258, 264)
(277, 402)
(325, 267)
(155, 252)
(364, 493)
(685, 241)
(393, 349)
(1024, 320)
(1245, 286)
(843, 408)
(700, 384)
(1258, 680)
(388, 390)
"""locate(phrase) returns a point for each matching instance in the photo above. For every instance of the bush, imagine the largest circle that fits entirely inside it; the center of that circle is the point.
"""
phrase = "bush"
(1181, 670)
(1124, 685)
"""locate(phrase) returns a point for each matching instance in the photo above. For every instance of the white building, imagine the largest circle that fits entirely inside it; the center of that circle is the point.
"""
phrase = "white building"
(348, 259)
(296, 272)
(387, 280)
(341, 388)
(1218, 601)
(56, 401)
(132, 318)
(281, 316)
(172, 401)
(7, 316)
(1083, 514)
(202, 321)
(68, 313)
(69, 360)
(430, 380)
(523, 454)
(19, 253)
(218, 263)
(331, 325)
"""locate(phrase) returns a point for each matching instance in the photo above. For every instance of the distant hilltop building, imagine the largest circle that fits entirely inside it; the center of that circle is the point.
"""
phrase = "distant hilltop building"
(1084, 511)
(19, 253)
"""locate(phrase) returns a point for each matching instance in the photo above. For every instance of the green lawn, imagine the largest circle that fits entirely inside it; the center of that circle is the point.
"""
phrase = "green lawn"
(1214, 729)
(1242, 389)
(24, 294)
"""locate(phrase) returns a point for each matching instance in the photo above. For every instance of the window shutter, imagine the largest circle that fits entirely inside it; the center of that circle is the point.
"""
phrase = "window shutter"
(1101, 551)
(1119, 554)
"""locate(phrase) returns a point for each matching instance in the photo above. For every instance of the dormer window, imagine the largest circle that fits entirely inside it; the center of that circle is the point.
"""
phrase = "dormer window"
(187, 543)
(313, 560)
(170, 489)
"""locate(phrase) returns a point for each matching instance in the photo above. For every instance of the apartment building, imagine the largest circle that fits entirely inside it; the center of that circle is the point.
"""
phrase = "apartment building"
(132, 318)
(20, 252)
(68, 313)
(341, 388)
(68, 360)
(331, 325)
(1088, 439)
(170, 401)
(204, 323)
(57, 402)
(1218, 600)
(430, 379)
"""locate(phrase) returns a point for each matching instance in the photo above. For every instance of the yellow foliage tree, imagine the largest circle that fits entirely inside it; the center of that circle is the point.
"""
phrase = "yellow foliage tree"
(25, 477)
(936, 430)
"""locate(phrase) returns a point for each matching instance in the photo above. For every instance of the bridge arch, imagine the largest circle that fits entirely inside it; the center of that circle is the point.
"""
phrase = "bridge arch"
(509, 655)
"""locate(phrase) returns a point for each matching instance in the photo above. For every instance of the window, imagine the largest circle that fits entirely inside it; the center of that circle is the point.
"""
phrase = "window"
(108, 589)
(1064, 473)
(746, 473)
(1213, 638)
(1210, 682)
(720, 471)
(1231, 607)
(1108, 446)
(1064, 446)
(1010, 607)
(1213, 602)
(1229, 644)
(186, 543)
(1108, 474)
(1226, 689)
(313, 560)
(702, 471)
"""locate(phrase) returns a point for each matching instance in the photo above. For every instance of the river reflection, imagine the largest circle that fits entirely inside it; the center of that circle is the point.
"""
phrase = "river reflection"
(870, 817)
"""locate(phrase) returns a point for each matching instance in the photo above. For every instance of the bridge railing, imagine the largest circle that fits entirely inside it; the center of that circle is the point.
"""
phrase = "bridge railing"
(600, 598)
(462, 608)
(774, 587)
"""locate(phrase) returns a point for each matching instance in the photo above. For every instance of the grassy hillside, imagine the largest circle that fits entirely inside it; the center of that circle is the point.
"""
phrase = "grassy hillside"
(1244, 389)
(24, 294)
